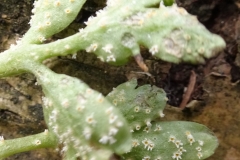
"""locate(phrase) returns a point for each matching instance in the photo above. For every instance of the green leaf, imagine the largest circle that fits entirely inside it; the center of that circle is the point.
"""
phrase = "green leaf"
(139, 105)
(168, 2)
(173, 141)
(159, 140)
(169, 32)
(82, 118)
(50, 17)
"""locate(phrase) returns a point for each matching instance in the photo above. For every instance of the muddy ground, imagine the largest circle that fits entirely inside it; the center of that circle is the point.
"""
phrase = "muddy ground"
(214, 102)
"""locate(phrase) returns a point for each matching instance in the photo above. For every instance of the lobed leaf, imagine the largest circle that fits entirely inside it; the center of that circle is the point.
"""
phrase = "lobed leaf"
(169, 32)
(139, 105)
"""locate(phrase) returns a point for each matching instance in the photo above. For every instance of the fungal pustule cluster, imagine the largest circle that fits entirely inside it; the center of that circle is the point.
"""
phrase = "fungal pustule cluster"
(180, 146)
(146, 145)
(105, 52)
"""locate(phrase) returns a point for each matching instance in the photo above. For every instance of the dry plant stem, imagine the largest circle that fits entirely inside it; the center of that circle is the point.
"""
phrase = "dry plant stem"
(138, 58)
(190, 88)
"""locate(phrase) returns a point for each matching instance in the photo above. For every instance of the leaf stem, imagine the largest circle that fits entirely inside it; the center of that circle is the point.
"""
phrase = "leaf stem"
(45, 139)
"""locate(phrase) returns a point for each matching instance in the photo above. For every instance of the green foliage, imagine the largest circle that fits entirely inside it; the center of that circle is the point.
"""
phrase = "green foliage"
(159, 140)
(168, 2)
(46, 19)
(173, 141)
(81, 119)
(170, 33)
(138, 105)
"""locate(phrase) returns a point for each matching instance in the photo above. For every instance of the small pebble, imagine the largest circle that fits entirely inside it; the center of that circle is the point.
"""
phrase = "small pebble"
(4, 16)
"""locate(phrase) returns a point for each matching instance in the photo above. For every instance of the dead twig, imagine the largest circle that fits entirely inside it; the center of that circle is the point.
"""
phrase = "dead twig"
(138, 58)
(190, 88)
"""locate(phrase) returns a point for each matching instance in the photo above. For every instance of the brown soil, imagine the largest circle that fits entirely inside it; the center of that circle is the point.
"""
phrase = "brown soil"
(214, 101)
